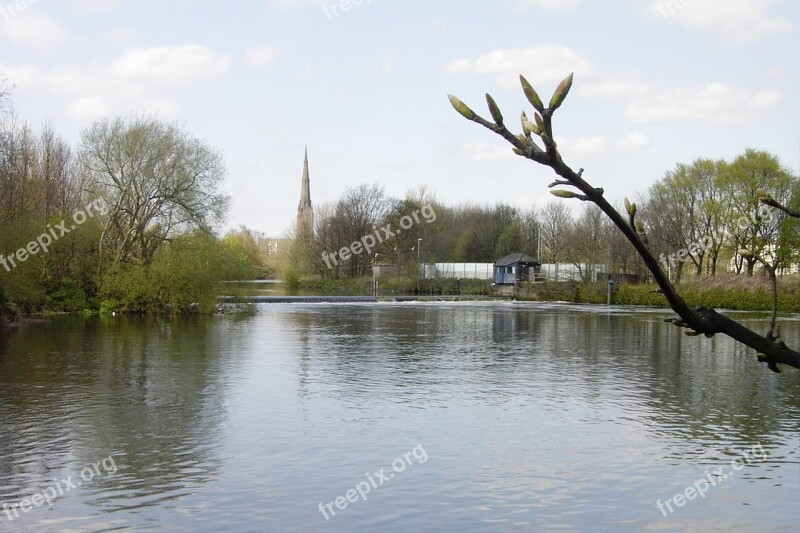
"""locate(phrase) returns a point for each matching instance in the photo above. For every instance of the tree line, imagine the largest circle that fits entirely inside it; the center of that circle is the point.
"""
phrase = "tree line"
(153, 246)
(699, 216)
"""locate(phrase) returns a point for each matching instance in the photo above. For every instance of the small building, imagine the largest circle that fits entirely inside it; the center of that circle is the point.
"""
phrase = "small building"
(515, 268)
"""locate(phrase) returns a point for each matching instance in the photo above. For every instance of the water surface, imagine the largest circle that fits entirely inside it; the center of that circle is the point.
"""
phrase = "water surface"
(483, 417)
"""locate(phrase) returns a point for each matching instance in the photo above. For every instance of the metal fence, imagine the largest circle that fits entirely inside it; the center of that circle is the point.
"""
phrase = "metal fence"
(457, 270)
(571, 272)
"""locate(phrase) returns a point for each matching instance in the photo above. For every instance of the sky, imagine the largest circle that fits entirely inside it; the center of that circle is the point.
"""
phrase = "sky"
(364, 85)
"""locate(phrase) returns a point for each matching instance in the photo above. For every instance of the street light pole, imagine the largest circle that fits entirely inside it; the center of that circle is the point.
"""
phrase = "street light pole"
(419, 265)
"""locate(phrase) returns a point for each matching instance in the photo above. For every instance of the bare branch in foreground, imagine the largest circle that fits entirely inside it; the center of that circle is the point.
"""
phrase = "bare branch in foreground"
(702, 320)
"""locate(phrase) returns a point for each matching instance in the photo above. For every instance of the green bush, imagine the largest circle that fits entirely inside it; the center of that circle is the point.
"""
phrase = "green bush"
(66, 295)
(183, 277)
(292, 281)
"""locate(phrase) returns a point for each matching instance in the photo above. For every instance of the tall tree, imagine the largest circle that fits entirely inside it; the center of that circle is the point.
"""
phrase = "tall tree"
(157, 180)
(556, 224)
(751, 224)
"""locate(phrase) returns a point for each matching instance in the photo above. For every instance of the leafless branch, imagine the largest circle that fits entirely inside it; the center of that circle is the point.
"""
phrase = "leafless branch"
(702, 320)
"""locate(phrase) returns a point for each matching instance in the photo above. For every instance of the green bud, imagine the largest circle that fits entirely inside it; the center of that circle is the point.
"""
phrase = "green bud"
(561, 193)
(462, 108)
(529, 126)
(523, 118)
(531, 94)
(494, 110)
(561, 93)
(630, 208)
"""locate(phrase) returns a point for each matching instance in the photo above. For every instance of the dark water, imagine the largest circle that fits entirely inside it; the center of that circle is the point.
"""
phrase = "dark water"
(483, 417)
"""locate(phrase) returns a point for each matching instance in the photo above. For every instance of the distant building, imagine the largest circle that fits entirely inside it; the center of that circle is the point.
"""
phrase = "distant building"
(274, 246)
(457, 270)
(305, 211)
(515, 268)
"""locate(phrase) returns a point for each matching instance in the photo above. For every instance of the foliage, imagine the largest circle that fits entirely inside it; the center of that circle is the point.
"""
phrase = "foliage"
(292, 281)
(162, 189)
(157, 180)
(728, 296)
(183, 277)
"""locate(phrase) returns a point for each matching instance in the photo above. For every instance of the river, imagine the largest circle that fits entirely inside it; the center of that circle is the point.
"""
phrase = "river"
(436, 416)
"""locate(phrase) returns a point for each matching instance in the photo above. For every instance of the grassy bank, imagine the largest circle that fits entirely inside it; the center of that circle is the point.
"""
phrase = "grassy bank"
(729, 292)
(722, 292)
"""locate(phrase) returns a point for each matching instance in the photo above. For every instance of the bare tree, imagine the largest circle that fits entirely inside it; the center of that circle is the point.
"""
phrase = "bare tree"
(544, 151)
(556, 223)
(156, 180)
(588, 241)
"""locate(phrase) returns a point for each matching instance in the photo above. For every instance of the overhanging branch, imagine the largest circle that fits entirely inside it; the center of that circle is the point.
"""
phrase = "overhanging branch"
(702, 320)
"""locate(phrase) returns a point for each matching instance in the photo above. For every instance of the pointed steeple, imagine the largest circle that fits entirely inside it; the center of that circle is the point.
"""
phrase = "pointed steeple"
(305, 211)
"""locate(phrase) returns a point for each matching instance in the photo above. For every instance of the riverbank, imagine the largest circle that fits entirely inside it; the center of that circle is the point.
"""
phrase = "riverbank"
(739, 293)
(722, 292)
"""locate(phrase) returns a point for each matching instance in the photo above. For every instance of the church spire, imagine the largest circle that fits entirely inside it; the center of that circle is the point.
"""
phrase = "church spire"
(305, 211)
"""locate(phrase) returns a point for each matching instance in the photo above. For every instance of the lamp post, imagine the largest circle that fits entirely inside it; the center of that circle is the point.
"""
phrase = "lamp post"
(419, 265)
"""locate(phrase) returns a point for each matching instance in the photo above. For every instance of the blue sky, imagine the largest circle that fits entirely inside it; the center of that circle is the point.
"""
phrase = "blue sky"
(656, 83)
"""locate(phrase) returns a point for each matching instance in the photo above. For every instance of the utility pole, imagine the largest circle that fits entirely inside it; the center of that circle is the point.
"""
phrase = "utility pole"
(419, 265)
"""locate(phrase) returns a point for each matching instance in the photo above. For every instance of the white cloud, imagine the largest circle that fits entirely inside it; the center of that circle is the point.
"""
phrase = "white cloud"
(600, 147)
(484, 152)
(260, 58)
(613, 87)
(648, 100)
(32, 29)
(541, 64)
(172, 64)
(136, 81)
(547, 4)
(635, 140)
(89, 108)
(715, 103)
(740, 21)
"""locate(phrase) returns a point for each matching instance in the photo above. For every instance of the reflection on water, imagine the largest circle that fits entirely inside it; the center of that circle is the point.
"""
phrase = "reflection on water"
(534, 417)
